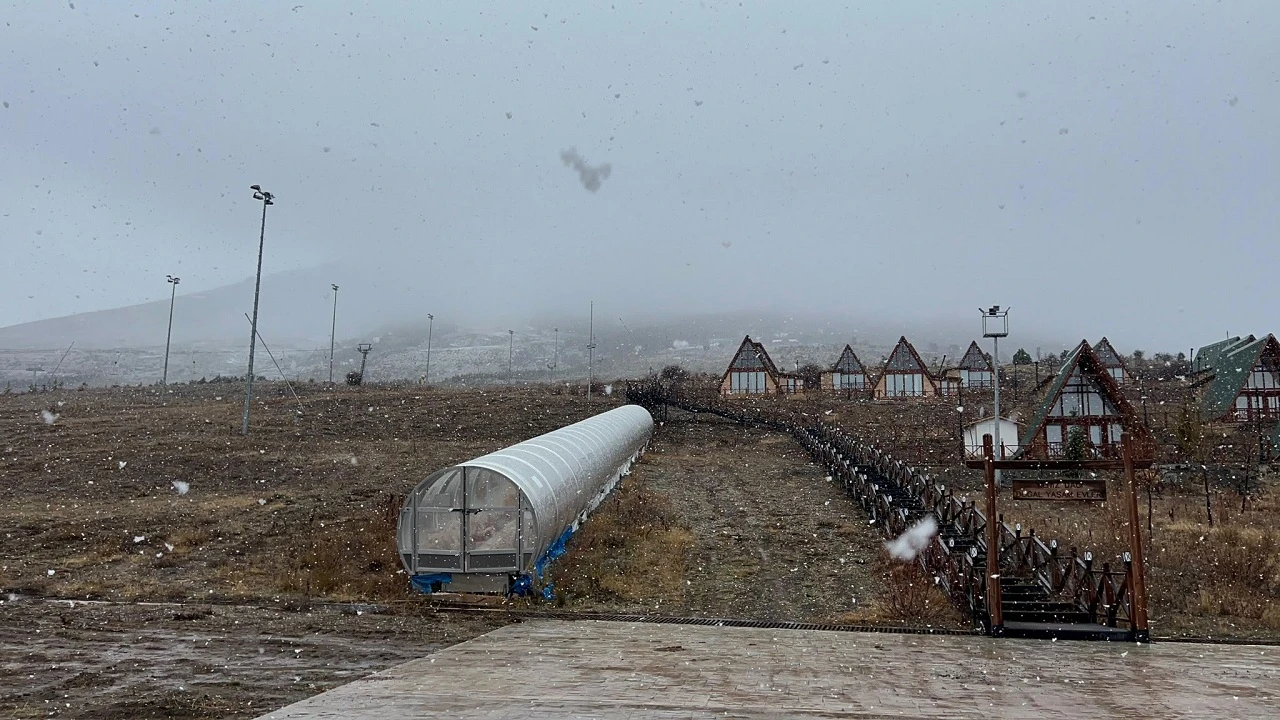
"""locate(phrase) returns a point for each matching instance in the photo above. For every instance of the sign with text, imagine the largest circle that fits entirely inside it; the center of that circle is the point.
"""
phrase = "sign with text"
(1060, 489)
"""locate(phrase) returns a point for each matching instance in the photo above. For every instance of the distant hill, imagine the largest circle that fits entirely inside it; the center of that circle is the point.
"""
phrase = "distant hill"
(210, 333)
(295, 309)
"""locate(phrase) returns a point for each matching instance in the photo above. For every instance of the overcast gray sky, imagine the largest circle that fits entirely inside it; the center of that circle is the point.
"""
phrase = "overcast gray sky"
(1104, 171)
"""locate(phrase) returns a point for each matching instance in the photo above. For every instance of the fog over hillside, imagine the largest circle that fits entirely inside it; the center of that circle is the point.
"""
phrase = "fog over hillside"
(870, 170)
(210, 329)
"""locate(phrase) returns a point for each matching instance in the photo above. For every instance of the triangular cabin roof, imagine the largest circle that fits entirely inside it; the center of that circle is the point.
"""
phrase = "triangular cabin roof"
(975, 359)
(1231, 371)
(1108, 355)
(751, 357)
(1208, 356)
(905, 359)
(1089, 364)
(849, 363)
(768, 361)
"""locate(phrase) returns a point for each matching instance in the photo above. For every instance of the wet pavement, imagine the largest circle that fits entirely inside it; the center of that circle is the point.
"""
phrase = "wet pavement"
(595, 669)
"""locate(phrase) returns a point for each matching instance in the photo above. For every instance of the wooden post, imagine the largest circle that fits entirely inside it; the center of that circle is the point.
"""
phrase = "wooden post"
(1137, 569)
(995, 613)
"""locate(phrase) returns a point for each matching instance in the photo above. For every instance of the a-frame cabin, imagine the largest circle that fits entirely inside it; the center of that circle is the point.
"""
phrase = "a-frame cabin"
(1083, 398)
(905, 375)
(1112, 361)
(751, 372)
(847, 374)
(975, 368)
(1245, 381)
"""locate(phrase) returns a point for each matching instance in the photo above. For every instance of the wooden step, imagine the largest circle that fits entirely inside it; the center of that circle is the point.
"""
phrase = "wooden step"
(1063, 631)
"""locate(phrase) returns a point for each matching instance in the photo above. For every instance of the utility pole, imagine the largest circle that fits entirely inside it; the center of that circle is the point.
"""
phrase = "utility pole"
(267, 199)
(426, 375)
(164, 379)
(333, 330)
(511, 352)
(591, 349)
(555, 358)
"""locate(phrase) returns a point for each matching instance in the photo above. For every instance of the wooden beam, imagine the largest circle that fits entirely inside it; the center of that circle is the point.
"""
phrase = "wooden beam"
(1138, 623)
(995, 609)
(1059, 464)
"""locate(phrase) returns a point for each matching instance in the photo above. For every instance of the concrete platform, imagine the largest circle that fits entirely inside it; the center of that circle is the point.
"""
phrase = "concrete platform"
(593, 669)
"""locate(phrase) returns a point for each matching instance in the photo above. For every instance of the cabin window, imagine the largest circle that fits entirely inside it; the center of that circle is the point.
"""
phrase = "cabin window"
(1053, 434)
(847, 381)
(746, 382)
(1081, 398)
(904, 385)
(1262, 379)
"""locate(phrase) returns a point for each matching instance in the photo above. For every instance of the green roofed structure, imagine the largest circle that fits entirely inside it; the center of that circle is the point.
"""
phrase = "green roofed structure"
(1241, 379)
(1084, 397)
(1206, 358)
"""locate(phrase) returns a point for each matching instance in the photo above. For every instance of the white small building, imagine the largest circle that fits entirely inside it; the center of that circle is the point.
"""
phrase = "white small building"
(1010, 431)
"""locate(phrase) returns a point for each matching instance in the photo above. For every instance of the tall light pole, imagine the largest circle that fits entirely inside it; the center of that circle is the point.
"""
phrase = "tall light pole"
(995, 325)
(164, 379)
(511, 352)
(591, 349)
(555, 358)
(426, 375)
(267, 199)
(333, 330)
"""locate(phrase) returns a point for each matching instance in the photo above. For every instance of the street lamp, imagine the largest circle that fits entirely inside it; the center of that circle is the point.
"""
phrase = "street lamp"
(364, 349)
(426, 375)
(333, 330)
(267, 199)
(164, 379)
(995, 325)
(591, 348)
(511, 352)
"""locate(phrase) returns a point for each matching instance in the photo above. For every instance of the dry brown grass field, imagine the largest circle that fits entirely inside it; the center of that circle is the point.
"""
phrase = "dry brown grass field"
(717, 520)
(273, 528)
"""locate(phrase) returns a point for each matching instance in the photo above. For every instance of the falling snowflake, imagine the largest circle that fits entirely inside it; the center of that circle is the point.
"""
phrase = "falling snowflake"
(49, 417)
(181, 486)
(910, 543)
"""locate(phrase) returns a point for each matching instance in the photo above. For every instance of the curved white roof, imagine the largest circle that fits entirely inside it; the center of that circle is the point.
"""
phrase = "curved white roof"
(561, 476)
(561, 472)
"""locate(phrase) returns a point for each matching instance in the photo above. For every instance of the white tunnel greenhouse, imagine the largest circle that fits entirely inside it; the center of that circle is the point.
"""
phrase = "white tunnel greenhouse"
(491, 524)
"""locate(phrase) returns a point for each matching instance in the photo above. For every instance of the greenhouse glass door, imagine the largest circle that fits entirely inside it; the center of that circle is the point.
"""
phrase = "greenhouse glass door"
(491, 522)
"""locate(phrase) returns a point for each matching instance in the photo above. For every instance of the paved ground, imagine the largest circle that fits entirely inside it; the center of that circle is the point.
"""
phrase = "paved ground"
(585, 669)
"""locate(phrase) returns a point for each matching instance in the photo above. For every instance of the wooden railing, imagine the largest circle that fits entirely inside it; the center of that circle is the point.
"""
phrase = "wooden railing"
(896, 496)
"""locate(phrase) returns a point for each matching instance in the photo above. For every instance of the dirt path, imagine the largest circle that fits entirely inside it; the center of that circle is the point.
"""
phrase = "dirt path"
(766, 535)
(129, 661)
